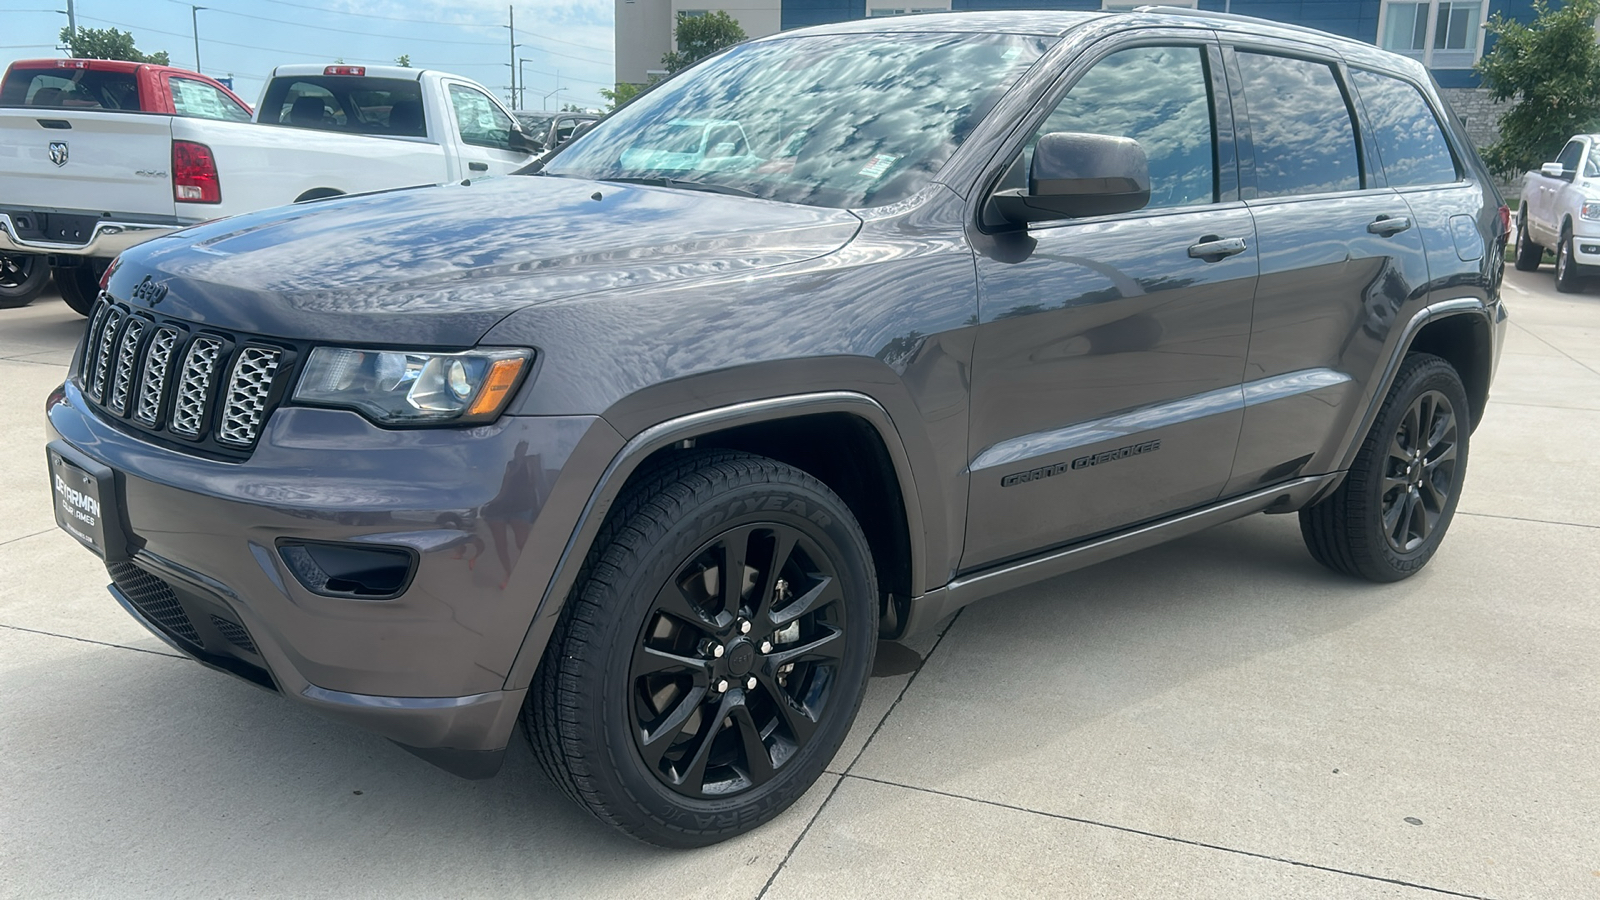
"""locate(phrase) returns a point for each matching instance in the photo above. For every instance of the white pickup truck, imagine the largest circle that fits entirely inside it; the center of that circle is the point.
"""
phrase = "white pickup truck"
(1561, 211)
(81, 185)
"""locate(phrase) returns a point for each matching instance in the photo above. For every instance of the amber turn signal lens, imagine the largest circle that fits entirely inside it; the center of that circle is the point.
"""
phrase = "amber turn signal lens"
(496, 387)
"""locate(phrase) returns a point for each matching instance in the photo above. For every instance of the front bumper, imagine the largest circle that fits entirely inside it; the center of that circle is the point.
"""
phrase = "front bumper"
(1586, 244)
(427, 668)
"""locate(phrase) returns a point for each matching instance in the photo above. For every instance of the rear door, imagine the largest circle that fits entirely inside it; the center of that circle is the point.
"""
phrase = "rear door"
(1341, 254)
(1105, 378)
(88, 162)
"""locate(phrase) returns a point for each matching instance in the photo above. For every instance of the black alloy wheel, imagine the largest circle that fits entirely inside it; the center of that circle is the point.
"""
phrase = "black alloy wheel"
(714, 652)
(737, 661)
(1389, 515)
(1421, 469)
(79, 285)
(23, 276)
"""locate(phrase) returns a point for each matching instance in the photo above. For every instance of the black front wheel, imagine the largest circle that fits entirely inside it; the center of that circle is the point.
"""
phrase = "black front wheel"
(713, 654)
(79, 285)
(1529, 254)
(23, 276)
(1389, 515)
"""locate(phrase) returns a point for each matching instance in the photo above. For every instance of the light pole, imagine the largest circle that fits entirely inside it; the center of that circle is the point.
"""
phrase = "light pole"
(194, 24)
(523, 77)
(544, 102)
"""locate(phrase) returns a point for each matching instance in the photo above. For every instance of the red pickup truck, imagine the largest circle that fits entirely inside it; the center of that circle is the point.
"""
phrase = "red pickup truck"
(109, 84)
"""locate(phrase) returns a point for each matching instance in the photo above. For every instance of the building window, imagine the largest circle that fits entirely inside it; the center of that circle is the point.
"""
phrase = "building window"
(924, 7)
(1442, 34)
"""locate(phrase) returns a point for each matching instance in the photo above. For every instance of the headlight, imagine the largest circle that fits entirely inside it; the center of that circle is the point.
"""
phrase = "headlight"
(1591, 209)
(399, 387)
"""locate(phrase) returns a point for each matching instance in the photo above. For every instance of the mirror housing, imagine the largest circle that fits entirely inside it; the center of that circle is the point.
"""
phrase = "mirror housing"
(1553, 170)
(522, 142)
(1075, 175)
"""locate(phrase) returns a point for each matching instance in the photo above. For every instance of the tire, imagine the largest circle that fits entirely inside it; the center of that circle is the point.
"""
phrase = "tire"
(79, 285)
(1529, 254)
(642, 709)
(1388, 517)
(1569, 275)
(23, 276)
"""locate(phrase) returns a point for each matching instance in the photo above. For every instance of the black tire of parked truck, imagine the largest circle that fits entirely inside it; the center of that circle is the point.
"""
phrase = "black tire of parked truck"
(682, 706)
(1569, 275)
(1389, 515)
(1529, 254)
(23, 276)
(79, 285)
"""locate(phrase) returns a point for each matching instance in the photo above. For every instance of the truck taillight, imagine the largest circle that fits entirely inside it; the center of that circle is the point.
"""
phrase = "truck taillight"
(345, 70)
(194, 174)
(1505, 221)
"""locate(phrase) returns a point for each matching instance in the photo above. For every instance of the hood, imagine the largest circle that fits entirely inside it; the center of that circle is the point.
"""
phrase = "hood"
(441, 265)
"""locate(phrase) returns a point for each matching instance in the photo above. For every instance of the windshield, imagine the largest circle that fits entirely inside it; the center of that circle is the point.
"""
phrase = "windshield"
(832, 120)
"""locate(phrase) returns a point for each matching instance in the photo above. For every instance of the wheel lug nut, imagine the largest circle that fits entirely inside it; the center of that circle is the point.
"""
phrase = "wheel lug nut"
(744, 627)
(712, 649)
(750, 683)
(766, 646)
(722, 685)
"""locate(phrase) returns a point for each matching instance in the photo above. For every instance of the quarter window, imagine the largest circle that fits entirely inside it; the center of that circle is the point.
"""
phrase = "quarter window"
(1300, 127)
(199, 100)
(481, 122)
(1160, 97)
(1410, 141)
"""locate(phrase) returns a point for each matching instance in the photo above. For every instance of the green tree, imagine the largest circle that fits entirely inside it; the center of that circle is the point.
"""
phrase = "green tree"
(108, 43)
(620, 95)
(1551, 68)
(700, 36)
(403, 60)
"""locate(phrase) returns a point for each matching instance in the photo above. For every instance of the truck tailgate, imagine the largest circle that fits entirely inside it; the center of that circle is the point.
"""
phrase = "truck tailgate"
(105, 162)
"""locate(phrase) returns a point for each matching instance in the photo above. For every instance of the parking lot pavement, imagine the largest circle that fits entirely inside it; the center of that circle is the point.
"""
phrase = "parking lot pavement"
(1217, 717)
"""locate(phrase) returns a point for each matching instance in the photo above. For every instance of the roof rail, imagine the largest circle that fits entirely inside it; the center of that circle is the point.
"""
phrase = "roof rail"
(1196, 13)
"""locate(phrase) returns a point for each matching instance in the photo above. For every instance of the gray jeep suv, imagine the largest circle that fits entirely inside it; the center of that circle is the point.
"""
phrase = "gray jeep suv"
(651, 447)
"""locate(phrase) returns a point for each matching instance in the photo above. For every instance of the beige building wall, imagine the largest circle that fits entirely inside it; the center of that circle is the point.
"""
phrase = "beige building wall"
(644, 29)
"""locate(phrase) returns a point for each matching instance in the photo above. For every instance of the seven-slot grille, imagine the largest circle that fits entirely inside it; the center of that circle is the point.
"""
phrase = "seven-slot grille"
(158, 375)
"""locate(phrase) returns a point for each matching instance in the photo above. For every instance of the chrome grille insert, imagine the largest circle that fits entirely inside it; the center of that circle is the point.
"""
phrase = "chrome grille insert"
(157, 357)
(245, 403)
(194, 383)
(102, 354)
(127, 355)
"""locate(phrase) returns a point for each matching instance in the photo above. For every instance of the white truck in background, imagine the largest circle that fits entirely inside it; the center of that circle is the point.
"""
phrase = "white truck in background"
(1560, 211)
(80, 185)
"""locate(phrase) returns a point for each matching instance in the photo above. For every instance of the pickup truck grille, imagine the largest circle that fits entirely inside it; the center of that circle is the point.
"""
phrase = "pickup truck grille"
(201, 390)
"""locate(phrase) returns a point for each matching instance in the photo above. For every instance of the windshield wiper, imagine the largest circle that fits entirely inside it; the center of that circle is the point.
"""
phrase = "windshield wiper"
(687, 185)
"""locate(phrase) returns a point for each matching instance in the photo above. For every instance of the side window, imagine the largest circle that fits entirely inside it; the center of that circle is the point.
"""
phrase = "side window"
(481, 123)
(1160, 97)
(1409, 138)
(1591, 166)
(199, 100)
(1300, 127)
(1570, 155)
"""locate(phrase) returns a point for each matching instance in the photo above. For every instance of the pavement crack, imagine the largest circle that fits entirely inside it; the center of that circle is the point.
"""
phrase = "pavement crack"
(92, 641)
(846, 773)
(1163, 837)
(1529, 332)
(1525, 519)
(26, 536)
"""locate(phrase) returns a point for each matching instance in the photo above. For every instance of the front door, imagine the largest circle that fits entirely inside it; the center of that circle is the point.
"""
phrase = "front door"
(1106, 371)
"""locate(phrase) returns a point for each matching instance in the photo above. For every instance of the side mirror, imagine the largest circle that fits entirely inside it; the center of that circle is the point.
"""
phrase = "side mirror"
(1553, 170)
(521, 142)
(1076, 175)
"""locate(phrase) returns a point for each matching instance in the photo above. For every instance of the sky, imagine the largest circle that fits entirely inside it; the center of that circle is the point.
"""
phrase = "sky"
(569, 39)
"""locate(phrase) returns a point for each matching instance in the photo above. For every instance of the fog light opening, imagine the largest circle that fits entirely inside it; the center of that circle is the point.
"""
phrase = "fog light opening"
(349, 570)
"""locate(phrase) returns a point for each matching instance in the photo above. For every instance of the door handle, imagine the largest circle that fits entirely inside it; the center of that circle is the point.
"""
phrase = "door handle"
(1388, 226)
(478, 166)
(1212, 248)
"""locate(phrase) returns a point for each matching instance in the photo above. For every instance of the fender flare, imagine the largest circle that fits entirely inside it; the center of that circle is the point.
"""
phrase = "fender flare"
(663, 434)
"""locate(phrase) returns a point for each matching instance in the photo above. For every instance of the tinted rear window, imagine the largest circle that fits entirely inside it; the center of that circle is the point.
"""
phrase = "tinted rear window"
(70, 89)
(1410, 142)
(384, 106)
(1300, 125)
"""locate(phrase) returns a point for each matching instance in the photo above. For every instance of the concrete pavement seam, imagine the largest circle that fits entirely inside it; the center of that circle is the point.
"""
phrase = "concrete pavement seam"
(1163, 837)
(1541, 340)
(26, 536)
(1525, 519)
(868, 743)
(33, 362)
(91, 641)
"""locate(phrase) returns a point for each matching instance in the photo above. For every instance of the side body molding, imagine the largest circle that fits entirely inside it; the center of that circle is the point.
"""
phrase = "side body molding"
(664, 434)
